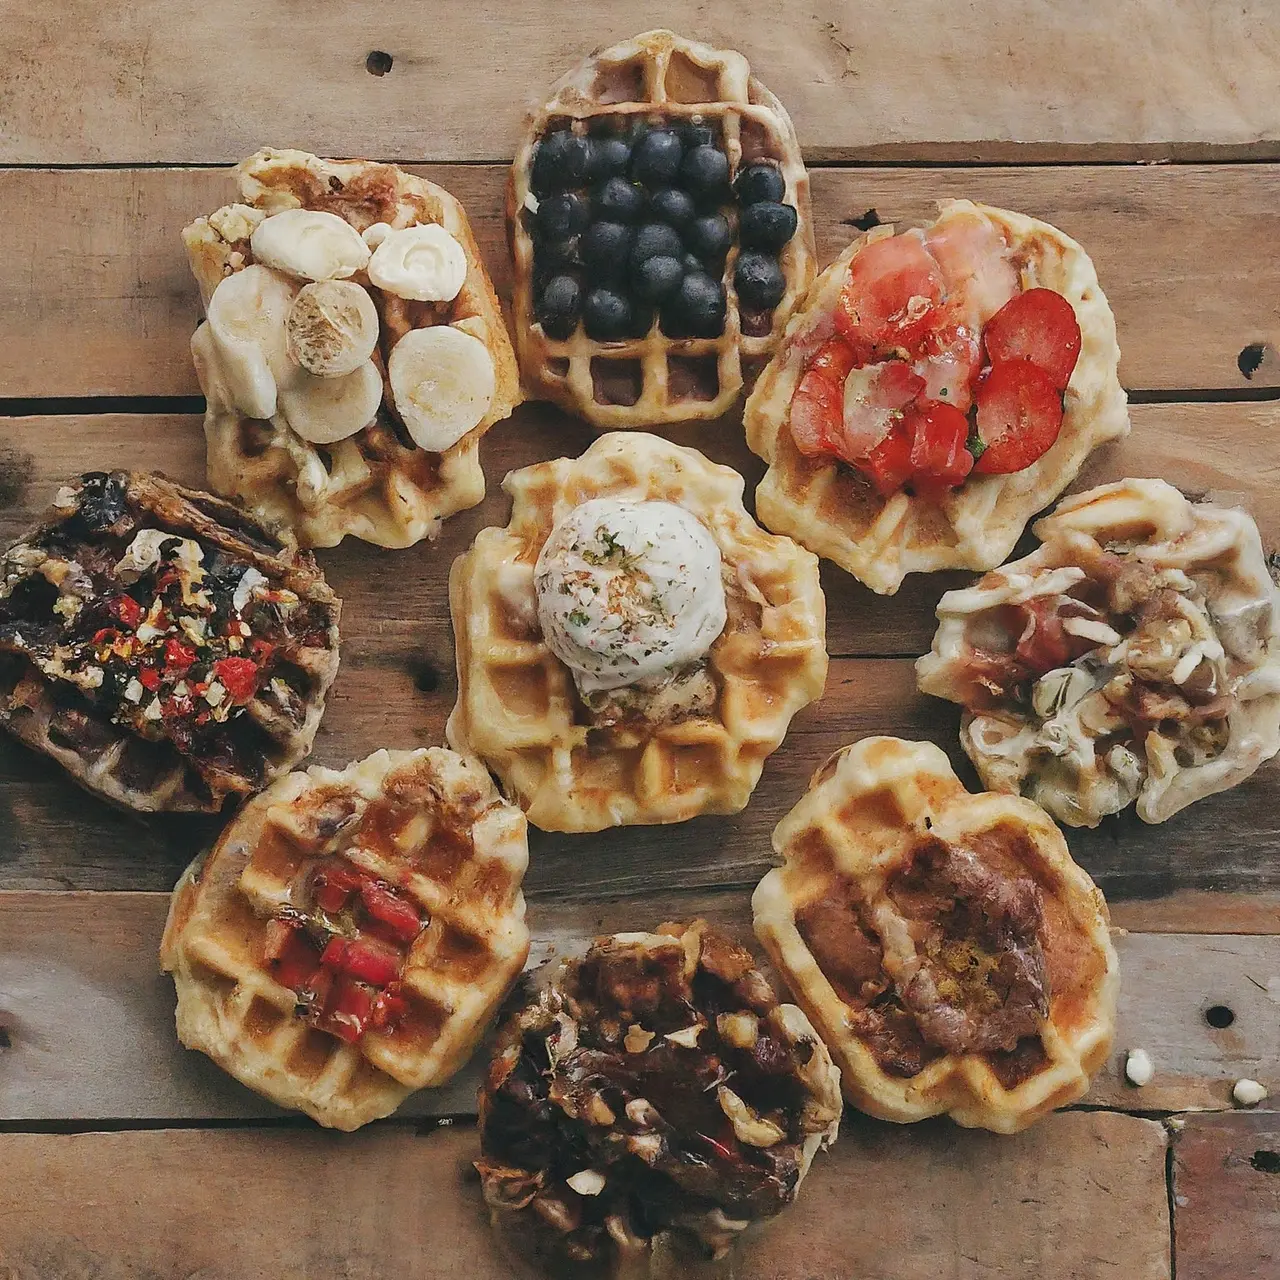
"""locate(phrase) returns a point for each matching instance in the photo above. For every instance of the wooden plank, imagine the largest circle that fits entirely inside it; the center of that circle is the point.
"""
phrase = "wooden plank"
(1077, 1194)
(189, 83)
(1226, 1186)
(110, 307)
(397, 602)
(89, 1019)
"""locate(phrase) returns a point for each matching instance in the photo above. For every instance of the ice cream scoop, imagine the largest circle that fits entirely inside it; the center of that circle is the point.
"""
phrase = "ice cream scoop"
(629, 592)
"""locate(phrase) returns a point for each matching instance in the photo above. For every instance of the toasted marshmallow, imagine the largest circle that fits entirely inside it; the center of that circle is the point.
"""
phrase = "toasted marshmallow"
(629, 592)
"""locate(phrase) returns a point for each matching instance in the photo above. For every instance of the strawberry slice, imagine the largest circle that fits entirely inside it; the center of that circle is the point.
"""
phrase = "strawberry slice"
(874, 398)
(889, 463)
(888, 302)
(939, 458)
(1019, 417)
(363, 958)
(816, 410)
(395, 913)
(1039, 325)
(834, 360)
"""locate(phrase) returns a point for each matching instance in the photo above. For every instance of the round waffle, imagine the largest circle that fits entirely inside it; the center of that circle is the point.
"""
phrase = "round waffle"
(377, 484)
(639, 382)
(1134, 656)
(162, 646)
(650, 1106)
(834, 510)
(518, 708)
(948, 950)
(409, 836)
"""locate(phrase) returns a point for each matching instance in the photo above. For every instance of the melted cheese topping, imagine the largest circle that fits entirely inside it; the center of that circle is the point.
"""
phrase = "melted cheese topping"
(629, 592)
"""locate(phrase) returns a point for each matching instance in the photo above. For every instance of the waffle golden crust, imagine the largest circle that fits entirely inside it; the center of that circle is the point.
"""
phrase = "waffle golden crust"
(638, 382)
(653, 1103)
(572, 768)
(374, 482)
(835, 510)
(1135, 656)
(352, 933)
(161, 645)
(948, 950)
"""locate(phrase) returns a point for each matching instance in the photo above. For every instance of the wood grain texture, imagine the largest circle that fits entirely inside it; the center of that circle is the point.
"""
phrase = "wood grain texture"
(1079, 1193)
(1226, 1188)
(89, 1019)
(190, 82)
(1180, 251)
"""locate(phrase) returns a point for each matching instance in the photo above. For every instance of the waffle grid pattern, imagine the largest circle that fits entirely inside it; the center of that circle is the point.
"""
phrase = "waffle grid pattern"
(517, 706)
(856, 825)
(834, 510)
(375, 485)
(426, 821)
(663, 74)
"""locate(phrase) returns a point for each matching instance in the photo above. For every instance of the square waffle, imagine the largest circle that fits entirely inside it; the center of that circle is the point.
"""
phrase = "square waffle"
(886, 857)
(162, 646)
(835, 510)
(425, 828)
(376, 484)
(518, 708)
(650, 379)
(1134, 656)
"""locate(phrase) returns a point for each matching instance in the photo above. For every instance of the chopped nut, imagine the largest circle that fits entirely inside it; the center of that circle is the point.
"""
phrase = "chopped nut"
(1248, 1093)
(599, 1112)
(641, 1111)
(645, 1146)
(687, 1037)
(590, 1182)
(741, 1030)
(637, 1039)
(1139, 1068)
(750, 1128)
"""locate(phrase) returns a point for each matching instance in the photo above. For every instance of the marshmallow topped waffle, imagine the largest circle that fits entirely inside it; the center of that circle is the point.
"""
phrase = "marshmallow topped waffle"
(352, 932)
(948, 950)
(934, 390)
(161, 645)
(354, 351)
(1135, 656)
(658, 150)
(651, 1105)
(632, 646)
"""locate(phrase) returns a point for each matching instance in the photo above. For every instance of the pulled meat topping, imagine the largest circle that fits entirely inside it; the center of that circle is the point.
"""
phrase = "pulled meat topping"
(656, 1086)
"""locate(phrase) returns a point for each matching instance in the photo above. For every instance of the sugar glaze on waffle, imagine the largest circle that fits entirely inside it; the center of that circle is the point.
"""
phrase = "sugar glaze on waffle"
(352, 933)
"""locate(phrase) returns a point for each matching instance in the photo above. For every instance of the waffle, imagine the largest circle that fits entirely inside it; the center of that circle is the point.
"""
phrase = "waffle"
(518, 708)
(885, 846)
(615, 1126)
(377, 484)
(427, 827)
(1134, 656)
(655, 379)
(161, 645)
(835, 511)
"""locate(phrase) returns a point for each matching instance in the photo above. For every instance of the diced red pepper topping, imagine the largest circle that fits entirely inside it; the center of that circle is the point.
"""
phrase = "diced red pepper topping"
(108, 635)
(894, 286)
(178, 657)
(239, 677)
(1039, 325)
(347, 1010)
(367, 959)
(261, 650)
(938, 454)
(126, 610)
(149, 678)
(292, 956)
(889, 463)
(1019, 417)
(394, 912)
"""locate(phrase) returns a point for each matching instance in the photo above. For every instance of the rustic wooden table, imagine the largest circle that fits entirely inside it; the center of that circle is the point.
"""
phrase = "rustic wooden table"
(1149, 130)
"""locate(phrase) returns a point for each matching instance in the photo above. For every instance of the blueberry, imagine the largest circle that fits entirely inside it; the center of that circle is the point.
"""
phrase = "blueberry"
(698, 308)
(766, 225)
(604, 248)
(692, 262)
(656, 240)
(698, 135)
(672, 206)
(559, 305)
(655, 159)
(550, 257)
(560, 217)
(560, 163)
(608, 158)
(709, 237)
(705, 171)
(618, 200)
(759, 280)
(606, 315)
(760, 182)
(657, 278)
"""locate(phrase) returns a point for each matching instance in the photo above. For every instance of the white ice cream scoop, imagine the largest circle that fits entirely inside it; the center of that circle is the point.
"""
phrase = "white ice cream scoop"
(629, 591)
